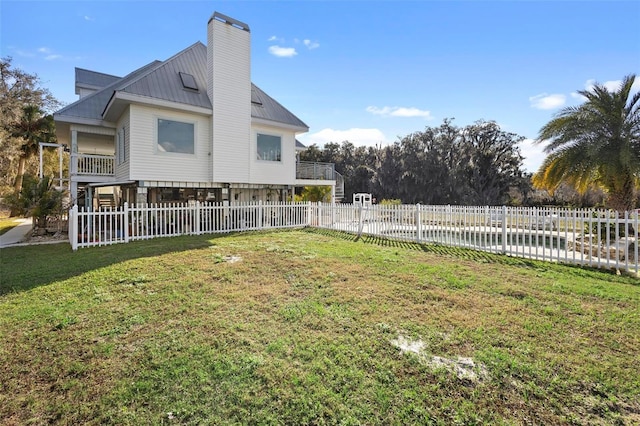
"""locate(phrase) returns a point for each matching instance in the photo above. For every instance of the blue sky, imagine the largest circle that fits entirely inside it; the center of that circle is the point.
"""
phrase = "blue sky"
(364, 71)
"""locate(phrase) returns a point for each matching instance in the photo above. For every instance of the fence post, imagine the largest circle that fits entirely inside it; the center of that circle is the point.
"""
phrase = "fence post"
(360, 218)
(333, 211)
(73, 227)
(125, 211)
(418, 219)
(260, 218)
(196, 219)
(504, 229)
(309, 221)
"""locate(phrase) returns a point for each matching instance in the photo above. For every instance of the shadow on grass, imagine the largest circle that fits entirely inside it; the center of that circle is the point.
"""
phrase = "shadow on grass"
(439, 249)
(26, 267)
(465, 253)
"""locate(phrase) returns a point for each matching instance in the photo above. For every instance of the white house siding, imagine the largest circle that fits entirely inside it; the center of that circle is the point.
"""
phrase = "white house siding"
(122, 169)
(230, 93)
(281, 172)
(149, 164)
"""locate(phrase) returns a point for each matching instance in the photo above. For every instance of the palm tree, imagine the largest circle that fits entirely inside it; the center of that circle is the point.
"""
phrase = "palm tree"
(37, 199)
(595, 143)
(32, 128)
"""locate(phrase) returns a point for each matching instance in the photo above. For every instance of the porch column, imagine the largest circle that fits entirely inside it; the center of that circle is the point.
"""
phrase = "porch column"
(88, 198)
(73, 168)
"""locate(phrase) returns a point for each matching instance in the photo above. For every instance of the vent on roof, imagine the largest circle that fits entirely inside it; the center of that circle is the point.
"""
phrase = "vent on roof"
(188, 81)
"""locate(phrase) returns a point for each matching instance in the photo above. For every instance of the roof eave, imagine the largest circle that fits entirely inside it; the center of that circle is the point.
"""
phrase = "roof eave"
(120, 99)
(71, 119)
(296, 128)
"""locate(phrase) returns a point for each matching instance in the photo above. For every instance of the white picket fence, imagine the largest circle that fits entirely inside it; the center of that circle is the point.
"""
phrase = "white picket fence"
(105, 226)
(597, 238)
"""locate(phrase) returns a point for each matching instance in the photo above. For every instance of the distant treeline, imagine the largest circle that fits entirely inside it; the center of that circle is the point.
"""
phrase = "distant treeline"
(479, 164)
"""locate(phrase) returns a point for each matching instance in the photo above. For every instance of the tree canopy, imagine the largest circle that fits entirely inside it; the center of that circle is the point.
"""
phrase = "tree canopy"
(23, 99)
(476, 164)
(595, 143)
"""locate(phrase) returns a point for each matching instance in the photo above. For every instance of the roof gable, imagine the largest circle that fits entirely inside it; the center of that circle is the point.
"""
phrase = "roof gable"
(164, 81)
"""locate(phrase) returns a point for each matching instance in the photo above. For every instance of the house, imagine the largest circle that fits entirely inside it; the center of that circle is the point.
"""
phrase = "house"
(192, 127)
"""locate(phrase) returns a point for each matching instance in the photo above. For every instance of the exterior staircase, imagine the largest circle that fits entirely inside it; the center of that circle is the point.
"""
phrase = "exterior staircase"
(106, 200)
(339, 186)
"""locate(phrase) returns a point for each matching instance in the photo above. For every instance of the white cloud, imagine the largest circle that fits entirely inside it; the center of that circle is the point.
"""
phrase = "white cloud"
(545, 101)
(282, 52)
(399, 112)
(578, 96)
(612, 85)
(88, 18)
(273, 38)
(311, 44)
(533, 155)
(48, 54)
(357, 136)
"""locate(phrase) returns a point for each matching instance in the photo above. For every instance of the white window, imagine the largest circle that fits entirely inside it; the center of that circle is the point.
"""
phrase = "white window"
(269, 147)
(176, 136)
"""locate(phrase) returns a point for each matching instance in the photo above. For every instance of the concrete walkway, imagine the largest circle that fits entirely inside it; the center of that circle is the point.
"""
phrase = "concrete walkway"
(16, 234)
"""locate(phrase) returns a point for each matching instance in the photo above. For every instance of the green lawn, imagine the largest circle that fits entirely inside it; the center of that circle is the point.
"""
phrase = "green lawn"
(297, 327)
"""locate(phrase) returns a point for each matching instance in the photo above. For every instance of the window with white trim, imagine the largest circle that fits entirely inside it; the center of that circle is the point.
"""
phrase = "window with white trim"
(269, 147)
(176, 137)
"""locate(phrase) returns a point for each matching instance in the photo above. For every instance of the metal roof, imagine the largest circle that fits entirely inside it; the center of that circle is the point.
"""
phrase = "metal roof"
(93, 79)
(161, 80)
(92, 105)
(270, 109)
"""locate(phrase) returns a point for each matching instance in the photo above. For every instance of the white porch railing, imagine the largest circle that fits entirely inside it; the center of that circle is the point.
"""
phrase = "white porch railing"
(315, 170)
(93, 165)
(597, 238)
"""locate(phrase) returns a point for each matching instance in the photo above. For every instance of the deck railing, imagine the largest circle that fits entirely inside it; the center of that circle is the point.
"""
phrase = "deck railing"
(93, 165)
(591, 237)
(314, 170)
